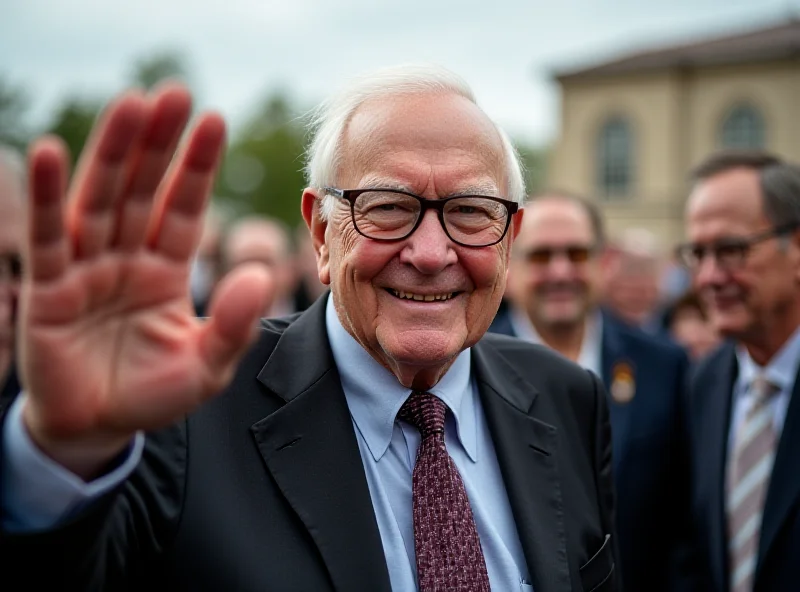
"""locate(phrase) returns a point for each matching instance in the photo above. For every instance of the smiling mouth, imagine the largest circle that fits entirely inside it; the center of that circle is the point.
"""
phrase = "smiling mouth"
(422, 297)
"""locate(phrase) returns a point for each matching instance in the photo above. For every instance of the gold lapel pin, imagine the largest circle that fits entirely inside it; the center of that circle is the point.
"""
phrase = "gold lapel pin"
(623, 386)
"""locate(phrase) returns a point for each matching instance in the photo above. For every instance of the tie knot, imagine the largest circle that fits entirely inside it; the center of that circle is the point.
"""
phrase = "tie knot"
(762, 388)
(425, 412)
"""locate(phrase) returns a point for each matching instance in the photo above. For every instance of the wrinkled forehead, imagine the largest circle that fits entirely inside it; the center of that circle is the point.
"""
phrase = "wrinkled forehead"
(419, 139)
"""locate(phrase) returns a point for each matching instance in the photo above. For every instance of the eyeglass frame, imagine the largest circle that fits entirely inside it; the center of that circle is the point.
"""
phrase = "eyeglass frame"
(351, 195)
(746, 243)
(591, 250)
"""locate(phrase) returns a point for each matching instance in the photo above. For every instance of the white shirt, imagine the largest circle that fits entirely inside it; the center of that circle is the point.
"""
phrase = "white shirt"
(591, 354)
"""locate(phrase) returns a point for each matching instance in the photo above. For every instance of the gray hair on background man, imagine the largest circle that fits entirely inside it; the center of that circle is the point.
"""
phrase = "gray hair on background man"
(330, 120)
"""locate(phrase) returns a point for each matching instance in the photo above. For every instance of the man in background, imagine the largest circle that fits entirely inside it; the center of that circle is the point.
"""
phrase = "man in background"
(632, 278)
(12, 224)
(264, 241)
(553, 291)
(743, 227)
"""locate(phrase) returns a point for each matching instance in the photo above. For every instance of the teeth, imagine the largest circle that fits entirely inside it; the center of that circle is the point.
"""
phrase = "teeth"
(422, 297)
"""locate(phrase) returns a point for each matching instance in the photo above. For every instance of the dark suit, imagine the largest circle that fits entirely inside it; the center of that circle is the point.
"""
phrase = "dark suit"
(778, 563)
(263, 488)
(651, 465)
(9, 385)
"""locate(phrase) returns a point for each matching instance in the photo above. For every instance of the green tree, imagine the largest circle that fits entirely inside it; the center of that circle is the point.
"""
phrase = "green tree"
(149, 71)
(73, 121)
(262, 172)
(13, 108)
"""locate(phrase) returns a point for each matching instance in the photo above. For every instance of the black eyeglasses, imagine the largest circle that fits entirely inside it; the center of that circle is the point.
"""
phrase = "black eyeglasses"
(10, 266)
(575, 254)
(392, 214)
(729, 253)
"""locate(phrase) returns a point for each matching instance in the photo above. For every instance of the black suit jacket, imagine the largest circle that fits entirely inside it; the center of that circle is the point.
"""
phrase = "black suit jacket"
(778, 563)
(651, 462)
(263, 488)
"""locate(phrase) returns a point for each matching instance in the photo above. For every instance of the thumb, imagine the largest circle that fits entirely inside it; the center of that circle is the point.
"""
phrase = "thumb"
(238, 302)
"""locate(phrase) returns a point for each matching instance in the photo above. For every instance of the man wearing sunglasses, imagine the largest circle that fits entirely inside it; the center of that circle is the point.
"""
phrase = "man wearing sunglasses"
(743, 251)
(378, 441)
(553, 290)
(12, 176)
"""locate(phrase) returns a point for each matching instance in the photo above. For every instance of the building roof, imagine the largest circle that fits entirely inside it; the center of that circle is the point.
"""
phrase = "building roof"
(775, 42)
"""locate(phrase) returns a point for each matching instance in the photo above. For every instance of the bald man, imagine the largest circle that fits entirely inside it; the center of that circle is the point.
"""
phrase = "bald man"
(632, 278)
(264, 240)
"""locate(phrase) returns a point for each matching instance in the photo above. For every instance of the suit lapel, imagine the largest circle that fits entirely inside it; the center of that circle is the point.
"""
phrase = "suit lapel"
(526, 451)
(310, 448)
(711, 449)
(784, 487)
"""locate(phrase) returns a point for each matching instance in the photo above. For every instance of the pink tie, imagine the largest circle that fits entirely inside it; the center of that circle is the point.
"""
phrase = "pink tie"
(449, 555)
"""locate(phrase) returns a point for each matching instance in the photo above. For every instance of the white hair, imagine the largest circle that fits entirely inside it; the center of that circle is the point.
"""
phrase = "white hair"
(330, 119)
(12, 162)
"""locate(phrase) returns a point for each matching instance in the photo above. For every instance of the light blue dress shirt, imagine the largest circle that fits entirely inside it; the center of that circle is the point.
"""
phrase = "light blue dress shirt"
(38, 493)
(780, 371)
(389, 448)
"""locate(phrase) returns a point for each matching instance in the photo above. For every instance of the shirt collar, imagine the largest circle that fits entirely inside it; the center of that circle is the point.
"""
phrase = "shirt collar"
(781, 369)
(374, 395)
(591, 348)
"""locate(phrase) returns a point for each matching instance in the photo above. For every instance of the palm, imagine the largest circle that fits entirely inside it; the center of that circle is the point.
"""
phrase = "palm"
(109, 341)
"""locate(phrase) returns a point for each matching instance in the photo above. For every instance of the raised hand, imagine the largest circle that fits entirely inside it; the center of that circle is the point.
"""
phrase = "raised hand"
(108, 340)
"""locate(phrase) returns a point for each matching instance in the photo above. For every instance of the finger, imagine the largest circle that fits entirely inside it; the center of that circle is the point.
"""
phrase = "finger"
(48, 251)
(168, 117)
(101, 173)
(239, 301)
(177, 222)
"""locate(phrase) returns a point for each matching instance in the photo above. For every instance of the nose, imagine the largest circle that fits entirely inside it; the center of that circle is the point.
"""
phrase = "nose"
(560, 267)
(429, 249)
(708, 273)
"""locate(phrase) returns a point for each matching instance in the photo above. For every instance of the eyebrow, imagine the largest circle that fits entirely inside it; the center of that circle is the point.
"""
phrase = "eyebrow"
(485, 189)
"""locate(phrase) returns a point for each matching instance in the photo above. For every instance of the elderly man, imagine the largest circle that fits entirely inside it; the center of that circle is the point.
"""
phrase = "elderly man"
(12, 188)
(378, 441)
(743, 224)
(553, 288)
(264, 241)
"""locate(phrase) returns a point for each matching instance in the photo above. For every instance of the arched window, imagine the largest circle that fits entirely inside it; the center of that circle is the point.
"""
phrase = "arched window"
(615, 158)
(743, 128)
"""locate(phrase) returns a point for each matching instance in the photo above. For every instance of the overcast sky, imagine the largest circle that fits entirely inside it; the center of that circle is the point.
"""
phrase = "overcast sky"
(237, 50)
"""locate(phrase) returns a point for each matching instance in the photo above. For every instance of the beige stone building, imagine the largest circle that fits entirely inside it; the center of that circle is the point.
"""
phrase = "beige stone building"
(632, 128)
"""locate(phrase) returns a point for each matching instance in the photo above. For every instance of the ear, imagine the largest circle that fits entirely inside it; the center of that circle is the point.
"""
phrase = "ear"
(516, 224)
(310, 208)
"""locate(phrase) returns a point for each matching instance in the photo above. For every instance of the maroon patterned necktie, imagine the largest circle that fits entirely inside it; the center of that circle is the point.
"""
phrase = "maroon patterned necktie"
(449, 555)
